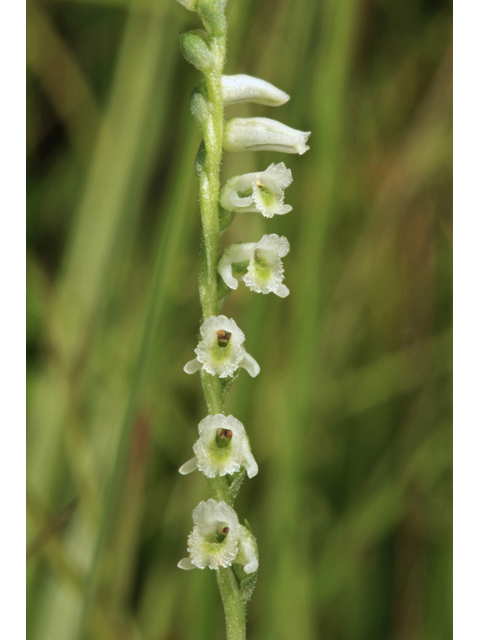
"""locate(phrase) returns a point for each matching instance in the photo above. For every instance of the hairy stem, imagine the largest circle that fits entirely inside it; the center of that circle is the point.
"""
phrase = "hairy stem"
(232, 603)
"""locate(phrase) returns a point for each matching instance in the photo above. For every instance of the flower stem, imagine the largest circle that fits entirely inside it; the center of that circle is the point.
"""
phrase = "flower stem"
(208, 171)
(232, 603)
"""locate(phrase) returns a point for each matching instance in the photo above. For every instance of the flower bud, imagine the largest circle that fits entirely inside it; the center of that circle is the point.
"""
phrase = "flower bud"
(261, 192)
(212, 15)
(242, 88)
(220, 351)
(195, 51)
(264, 268)
(263, 134)
(214, 540)
(214, 460)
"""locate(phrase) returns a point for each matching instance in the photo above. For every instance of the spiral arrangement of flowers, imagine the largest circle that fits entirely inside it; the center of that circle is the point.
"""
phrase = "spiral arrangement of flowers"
(222, 451)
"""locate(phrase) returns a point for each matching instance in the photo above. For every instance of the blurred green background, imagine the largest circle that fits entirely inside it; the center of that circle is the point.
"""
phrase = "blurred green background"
(350, 418)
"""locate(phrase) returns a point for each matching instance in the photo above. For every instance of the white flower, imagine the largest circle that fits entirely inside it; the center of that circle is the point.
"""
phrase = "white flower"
(214, 540)
(222, 448)
(221, 351)
(247, 553)
(262, 260)
(242, 88)
(263, 134)
(261, 192)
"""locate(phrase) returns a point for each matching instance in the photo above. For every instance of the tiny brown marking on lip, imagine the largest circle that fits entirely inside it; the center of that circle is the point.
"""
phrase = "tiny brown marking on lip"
(225, 530)
(223, 336)
(225, 433)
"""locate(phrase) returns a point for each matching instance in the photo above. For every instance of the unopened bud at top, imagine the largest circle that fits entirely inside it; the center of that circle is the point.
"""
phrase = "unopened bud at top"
(263, 134)
(242, 88)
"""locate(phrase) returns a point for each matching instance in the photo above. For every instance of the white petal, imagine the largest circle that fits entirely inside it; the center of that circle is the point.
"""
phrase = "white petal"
(192, 366)
(186, 563)
(250, 365)
(278, 173)
(243, 88)
(278, 245)
(215, 323)
(188, 467)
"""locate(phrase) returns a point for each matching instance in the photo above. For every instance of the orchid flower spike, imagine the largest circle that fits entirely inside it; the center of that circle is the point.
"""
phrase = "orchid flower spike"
(214, 540)
(247, 553)
(263, 134)
(221, 351)
(242, 88)
(258, 264)
(261, 192)
(223, 447)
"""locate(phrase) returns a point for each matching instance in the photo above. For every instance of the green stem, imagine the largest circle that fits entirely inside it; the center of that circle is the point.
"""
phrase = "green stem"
(232, 603)
(209, 179)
